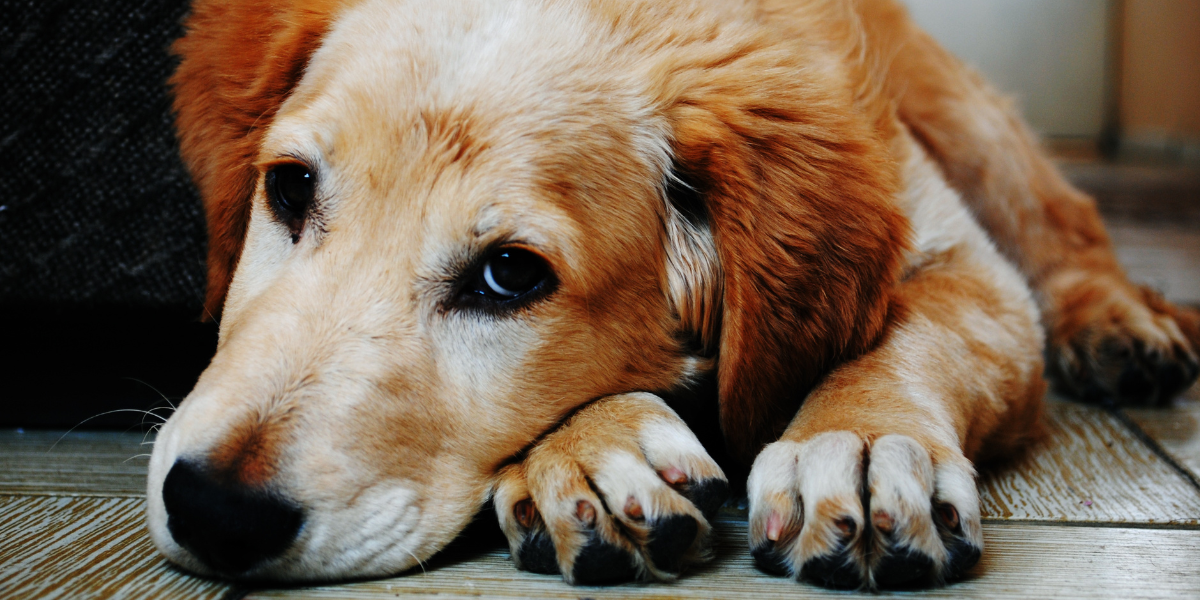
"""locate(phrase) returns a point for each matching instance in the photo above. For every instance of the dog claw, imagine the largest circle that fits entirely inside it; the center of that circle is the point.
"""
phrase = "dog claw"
(586, 513)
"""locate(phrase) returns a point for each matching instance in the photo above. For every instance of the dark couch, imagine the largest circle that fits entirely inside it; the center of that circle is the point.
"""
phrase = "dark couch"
(101, 232)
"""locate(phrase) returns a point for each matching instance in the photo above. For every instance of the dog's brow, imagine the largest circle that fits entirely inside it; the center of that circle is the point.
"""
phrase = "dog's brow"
(487, 221)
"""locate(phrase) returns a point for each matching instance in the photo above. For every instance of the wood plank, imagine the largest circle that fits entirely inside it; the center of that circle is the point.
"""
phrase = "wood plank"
(1167, 258)
(80, 463)
(1176, 429)
(1091, 468)
(1020, 561)
(1088, 457)
(70, 547)
(97, 548)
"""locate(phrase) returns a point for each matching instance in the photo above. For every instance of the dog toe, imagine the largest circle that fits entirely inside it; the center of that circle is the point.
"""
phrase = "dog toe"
(670, 539)
(808, 500)
(770, 560)
(1129, 347)
(536, 554)
(963, 555)
(601, 562)
(602, 503)
(837, 570)
(903, 566)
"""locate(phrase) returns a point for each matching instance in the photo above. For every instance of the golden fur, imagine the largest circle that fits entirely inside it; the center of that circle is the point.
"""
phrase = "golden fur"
(808, 199)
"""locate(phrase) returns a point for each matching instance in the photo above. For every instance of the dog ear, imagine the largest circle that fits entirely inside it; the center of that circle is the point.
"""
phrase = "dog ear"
(798, 194)
(239, 61)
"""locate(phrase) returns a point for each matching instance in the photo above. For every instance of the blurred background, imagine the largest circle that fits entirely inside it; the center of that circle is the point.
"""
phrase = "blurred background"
(1120, 77)
(102, 235)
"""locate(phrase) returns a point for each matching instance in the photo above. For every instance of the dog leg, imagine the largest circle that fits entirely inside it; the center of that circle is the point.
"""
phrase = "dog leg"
(1109, 340)
(623, 490)
(872, 483)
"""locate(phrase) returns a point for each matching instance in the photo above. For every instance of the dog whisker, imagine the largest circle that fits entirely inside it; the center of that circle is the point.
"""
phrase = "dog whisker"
(156, 390)
(97, 416)
(420, 563)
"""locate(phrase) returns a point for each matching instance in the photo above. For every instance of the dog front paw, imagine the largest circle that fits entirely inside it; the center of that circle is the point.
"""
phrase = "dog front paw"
(847, 513)
(1117, 344)
(622, 491)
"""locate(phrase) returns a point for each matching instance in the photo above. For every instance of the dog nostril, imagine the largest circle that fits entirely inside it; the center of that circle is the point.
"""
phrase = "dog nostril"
(227, 526)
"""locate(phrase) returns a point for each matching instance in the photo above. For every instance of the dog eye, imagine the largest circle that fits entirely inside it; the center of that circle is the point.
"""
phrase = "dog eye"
(511, 273)
(292, 188)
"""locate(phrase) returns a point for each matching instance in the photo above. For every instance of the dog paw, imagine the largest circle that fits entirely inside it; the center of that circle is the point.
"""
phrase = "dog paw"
(1115, 344)
(622, 491)
(844, 513)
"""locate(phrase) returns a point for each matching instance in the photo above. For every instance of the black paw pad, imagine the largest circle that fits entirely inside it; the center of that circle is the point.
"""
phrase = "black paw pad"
(1094, 393)
(537, 554)
(708, 495)
(1135, 384)
(1191, 368)
(903, 566)
(836, 570)
(600, 563)
(1172, 379)
(769, 559)
(670, 539)
(963, 556)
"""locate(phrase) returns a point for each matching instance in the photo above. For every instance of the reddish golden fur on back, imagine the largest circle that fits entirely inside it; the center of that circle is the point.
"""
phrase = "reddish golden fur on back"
(807, 199)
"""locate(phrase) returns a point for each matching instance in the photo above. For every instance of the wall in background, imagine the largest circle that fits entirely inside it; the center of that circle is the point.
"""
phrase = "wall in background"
(1160, 81)
(1049, 55)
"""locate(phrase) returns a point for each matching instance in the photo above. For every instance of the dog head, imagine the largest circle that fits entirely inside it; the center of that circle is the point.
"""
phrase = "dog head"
(437, 228)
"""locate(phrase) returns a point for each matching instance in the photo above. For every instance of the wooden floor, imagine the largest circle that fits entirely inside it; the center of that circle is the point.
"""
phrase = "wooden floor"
(1107, 507)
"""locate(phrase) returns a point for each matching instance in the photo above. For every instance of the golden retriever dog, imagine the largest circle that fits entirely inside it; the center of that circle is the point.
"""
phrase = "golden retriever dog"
(491, 250)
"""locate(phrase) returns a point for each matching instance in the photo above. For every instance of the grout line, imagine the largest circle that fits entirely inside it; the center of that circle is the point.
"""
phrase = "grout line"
(1093, 524)
(1154, 446)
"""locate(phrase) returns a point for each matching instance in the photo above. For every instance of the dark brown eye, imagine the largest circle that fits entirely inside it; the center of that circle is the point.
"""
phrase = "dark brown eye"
(291, 188)
(507, 278)
(512, 273)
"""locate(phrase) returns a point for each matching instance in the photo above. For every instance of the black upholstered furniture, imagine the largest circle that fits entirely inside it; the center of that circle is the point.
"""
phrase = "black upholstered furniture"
(101, 231)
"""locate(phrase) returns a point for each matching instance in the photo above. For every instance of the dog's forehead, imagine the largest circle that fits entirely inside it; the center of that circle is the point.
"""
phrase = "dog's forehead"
(402, 66)
(454, 107)
(461, 79)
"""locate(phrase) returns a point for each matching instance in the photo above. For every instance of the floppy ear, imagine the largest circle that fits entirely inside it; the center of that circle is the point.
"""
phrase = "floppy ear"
(239, 61)
(798, 190)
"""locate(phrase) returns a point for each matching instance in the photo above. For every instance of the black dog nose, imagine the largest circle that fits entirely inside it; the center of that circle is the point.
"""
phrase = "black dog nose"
(226, 525)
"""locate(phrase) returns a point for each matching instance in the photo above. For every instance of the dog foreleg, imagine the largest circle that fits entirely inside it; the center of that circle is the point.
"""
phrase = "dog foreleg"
(1108, 339)
(872, 483)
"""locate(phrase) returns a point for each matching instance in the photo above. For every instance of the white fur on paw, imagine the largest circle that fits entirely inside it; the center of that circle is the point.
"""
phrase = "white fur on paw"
(807, 503)
(600, 504)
